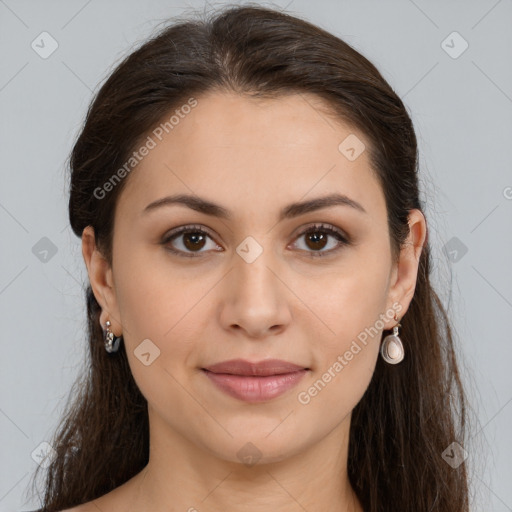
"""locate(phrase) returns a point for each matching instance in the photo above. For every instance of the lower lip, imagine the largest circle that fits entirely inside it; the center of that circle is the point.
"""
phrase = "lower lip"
(255, 389)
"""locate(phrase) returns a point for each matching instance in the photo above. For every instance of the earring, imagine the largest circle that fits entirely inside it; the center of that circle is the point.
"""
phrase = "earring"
(392, 349)
(111, 341)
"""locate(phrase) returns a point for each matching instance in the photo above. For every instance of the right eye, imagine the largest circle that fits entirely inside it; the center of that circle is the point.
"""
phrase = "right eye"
(191, 239)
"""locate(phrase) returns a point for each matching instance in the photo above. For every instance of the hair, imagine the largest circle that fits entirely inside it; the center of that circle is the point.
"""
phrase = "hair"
(410, 413)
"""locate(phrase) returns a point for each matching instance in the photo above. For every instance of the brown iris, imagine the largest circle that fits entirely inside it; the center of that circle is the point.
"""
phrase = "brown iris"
(317, 239)
(193, 240)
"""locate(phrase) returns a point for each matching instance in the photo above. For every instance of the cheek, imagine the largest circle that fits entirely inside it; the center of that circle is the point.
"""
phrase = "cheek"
(153, 293)
(352, 299)
(332, 393)
(350, 303)
(347, 352)
(168, 306)
(163, 309)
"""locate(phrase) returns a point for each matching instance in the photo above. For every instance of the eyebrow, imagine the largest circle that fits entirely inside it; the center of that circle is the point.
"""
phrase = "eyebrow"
(292, 210)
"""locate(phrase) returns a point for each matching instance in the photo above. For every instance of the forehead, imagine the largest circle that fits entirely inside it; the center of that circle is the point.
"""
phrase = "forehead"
(234, 149)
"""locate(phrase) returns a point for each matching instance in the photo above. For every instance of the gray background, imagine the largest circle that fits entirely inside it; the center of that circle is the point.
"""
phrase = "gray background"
(461, 108)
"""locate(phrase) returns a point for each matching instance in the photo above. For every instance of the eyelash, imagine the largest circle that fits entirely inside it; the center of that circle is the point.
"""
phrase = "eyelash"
(324, 228)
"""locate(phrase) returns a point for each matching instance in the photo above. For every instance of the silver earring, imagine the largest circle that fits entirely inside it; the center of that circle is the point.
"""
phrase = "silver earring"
(111, 341)
(392, 349)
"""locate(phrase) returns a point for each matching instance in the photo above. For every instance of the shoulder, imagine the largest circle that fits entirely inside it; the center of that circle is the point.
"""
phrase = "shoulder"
(120, 498)
(99, 504)
(85, 507)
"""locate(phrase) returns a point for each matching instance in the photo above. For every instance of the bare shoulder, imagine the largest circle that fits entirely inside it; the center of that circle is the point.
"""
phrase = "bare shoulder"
(85, 507)
(119, 499)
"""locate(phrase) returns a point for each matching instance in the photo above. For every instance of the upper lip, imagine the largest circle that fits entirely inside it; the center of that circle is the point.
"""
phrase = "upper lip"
(259, 368)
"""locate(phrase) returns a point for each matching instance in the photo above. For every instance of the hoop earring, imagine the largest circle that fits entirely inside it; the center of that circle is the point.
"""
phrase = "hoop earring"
(110, 340)
(392, 349)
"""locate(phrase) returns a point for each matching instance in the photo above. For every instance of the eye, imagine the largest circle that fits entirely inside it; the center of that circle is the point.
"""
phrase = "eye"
(317, 238)
(191, 240)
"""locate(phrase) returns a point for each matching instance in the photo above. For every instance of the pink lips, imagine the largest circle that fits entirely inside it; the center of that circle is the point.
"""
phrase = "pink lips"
(255, 382)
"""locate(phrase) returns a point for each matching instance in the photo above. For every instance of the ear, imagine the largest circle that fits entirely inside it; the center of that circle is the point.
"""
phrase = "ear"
(405, 272)
(102, 282)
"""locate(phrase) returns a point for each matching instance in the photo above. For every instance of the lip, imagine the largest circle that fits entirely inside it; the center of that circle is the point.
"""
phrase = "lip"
(255, 382)
(258, 368)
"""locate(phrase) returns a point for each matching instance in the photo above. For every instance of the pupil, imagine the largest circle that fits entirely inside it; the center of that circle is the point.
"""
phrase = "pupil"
(317, 239)
(191, 240)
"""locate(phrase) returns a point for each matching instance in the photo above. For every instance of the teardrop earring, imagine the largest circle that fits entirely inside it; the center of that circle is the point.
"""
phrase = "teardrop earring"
(111, 341)
(392, 349)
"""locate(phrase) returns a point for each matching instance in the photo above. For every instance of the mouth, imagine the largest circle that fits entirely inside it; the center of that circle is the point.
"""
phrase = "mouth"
(255, 382)
(255, 369)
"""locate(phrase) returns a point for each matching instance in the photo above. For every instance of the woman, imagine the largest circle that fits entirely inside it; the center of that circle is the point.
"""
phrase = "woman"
(263, 333)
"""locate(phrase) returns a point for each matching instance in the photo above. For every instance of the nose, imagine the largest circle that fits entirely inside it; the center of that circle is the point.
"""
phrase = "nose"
(255, 299)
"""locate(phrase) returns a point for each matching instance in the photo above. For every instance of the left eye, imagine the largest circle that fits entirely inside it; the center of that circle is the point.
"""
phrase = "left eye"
(193, 239)
(316, 238)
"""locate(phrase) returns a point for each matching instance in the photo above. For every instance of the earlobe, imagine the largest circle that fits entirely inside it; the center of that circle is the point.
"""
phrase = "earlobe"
(406, 270)
(101, 279)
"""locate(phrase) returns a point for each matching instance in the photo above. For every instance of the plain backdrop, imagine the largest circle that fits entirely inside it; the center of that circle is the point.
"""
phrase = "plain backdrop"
(448, 61)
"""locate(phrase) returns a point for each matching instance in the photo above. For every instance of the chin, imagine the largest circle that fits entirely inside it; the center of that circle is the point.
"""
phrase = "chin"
(260, 448)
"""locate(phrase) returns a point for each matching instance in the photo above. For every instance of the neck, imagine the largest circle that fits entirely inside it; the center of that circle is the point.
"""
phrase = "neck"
(183, 476)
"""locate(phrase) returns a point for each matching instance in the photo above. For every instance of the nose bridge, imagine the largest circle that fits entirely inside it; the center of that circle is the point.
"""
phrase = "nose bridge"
(252, 271)
(256, 300)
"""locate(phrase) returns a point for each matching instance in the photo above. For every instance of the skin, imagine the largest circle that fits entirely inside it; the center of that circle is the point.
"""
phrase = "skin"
(253, 157)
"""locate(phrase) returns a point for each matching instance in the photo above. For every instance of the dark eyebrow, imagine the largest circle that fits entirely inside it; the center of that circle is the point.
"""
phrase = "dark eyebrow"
(288, 212)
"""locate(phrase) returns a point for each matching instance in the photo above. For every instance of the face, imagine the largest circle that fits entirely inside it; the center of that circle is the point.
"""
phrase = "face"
(313, 286)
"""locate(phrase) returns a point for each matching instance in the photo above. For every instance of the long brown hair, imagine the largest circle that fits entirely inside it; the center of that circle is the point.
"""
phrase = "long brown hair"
(411, 412)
